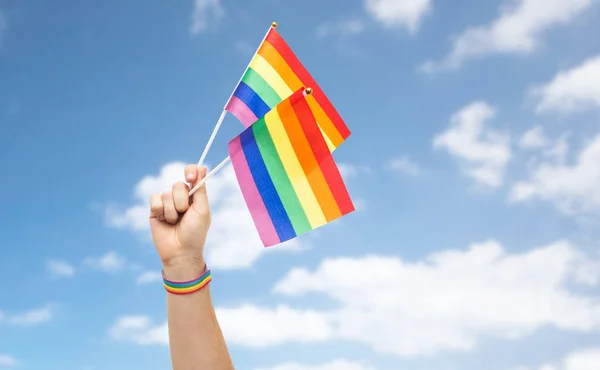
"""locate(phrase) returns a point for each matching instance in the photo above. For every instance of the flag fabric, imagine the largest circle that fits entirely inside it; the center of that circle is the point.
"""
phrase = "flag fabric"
(288, 177)
(273, 75)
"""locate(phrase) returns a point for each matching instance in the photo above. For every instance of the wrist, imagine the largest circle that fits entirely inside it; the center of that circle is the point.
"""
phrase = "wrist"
(184, 268)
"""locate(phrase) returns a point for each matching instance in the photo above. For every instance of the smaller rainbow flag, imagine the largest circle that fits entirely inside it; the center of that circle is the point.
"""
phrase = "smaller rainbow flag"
(287, 175)
(274, 74)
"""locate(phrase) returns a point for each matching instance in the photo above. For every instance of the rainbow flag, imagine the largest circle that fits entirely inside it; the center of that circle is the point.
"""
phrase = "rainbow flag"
(273, 74)
(288, 177)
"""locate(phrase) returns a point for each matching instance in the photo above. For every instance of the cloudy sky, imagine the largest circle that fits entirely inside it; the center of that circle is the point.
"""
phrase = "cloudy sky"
(474, 165)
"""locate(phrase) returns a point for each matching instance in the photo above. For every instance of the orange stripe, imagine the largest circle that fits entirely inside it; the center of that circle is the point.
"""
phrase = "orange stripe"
(326, 124)
(275, 39)
(323, 155)
(272, 56)
(307, 159)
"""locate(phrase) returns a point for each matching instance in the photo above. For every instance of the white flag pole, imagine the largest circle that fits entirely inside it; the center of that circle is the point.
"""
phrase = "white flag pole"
(307, 91)
(212, 137)
(208, 175)
(222, 117)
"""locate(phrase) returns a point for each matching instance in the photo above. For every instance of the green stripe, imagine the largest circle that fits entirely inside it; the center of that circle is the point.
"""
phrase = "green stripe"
(261, 88)
(182, 286)
(280, 178)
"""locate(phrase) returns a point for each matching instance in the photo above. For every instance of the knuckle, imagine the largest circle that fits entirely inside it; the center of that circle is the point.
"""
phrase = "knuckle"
(172, 218)
(179, 185)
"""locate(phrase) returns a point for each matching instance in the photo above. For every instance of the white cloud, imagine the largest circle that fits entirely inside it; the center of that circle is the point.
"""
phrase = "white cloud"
(149, 277)
(517, 30)
(205, 11)
(399, 13)
(260, 327)
(450, 299)
(533, 138)
(245, 48)
(408, 14)
(136, 217)
(7, 361)
(585, 359)
(445, 302)
(233, 242)
(484, 152)
(343, 27)
(110, 262)
(28, 318)
(558, 149)
(541, 148)
(405, 165)
(339, 364)
(139, 330)
(349, 171)
(573, 188)
(60, 268)
(572, 90)
(254, 326)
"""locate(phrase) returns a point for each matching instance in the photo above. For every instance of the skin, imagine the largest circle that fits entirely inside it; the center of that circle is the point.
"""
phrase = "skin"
(179, 227)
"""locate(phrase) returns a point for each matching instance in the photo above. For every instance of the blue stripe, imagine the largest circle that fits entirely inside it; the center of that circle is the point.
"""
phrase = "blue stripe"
(251, 99)
(187, 285)
(265, 186)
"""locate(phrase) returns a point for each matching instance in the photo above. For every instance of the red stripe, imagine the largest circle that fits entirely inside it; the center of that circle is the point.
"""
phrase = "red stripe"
(275, 39)
(322, 154)
(200, 287)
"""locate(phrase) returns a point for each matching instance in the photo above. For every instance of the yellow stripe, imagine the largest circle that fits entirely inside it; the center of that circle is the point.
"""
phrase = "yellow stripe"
(270, 75)
(192, 288)
(292, 166)
(325, 124)
(327, 140)
(261, 66)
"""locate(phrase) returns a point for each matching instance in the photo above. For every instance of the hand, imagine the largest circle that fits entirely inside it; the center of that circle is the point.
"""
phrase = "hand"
(180, 225)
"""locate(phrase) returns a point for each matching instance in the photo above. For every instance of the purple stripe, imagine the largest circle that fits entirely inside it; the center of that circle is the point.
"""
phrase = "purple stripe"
(254, 201)
(175, 283)
(237, 107)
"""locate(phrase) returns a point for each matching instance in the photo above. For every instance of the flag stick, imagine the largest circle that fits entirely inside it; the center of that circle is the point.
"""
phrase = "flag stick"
(273, 25)
(307, 91)
(220, 121)
(212, 138)
(208, 175)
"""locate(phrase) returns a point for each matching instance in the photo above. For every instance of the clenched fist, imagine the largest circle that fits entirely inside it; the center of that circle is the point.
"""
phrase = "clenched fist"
(179, 226)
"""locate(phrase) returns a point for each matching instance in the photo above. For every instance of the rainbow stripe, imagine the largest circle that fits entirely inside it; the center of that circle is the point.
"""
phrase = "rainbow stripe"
(188, 287)
(287, 174)
(272, 76)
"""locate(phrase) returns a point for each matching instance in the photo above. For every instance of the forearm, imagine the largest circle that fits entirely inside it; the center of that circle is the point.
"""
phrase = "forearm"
(195, 337)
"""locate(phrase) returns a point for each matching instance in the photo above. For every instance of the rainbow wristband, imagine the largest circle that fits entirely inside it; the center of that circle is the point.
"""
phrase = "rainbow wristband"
(187, 287)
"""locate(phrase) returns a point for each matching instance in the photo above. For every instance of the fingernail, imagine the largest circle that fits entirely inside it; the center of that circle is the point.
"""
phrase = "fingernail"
(189, 176)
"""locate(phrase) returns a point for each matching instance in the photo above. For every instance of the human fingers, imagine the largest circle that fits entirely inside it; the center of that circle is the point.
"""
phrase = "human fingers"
(171, 215)
(191, 173)
(181, 196)
(156, 207)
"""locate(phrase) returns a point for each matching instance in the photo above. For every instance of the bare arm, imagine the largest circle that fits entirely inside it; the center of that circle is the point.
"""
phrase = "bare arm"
(195, 336)
(179, 229)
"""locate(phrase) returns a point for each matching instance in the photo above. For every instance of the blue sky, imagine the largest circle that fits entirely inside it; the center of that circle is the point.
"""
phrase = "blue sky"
(472, 161)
